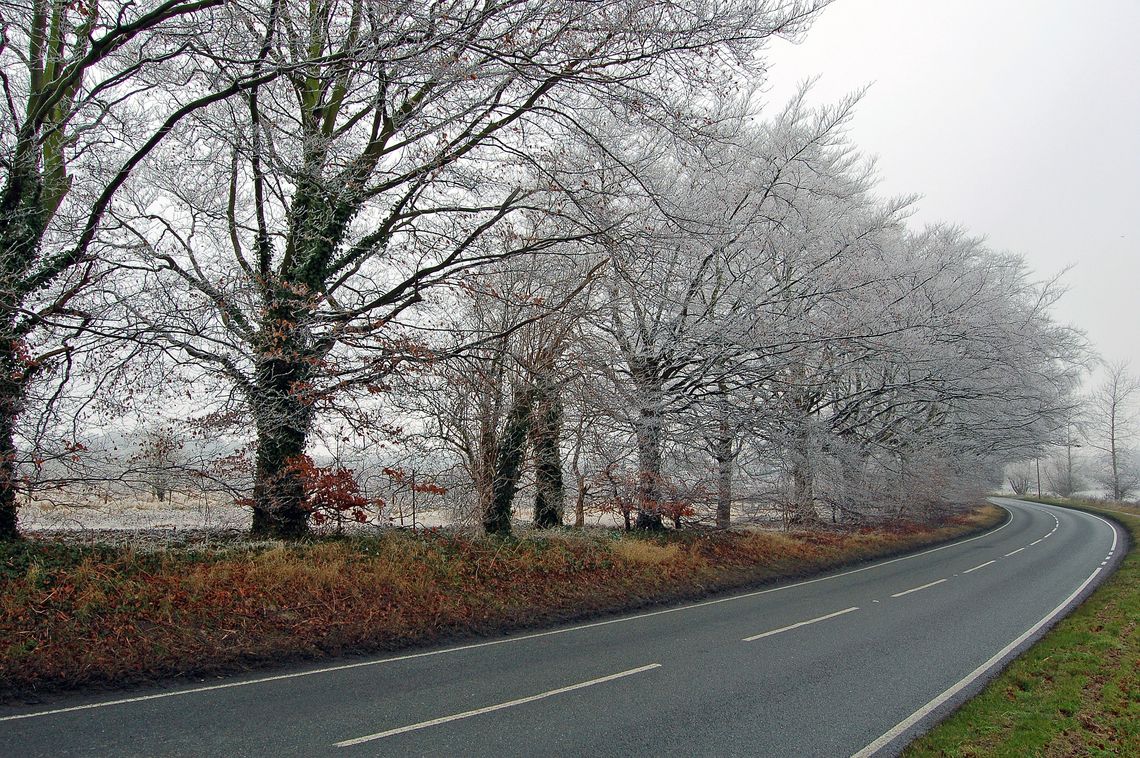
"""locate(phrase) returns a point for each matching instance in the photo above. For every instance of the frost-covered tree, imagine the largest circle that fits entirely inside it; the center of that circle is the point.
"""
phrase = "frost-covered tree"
(409, 143)
(1112, 429)
(90, 90)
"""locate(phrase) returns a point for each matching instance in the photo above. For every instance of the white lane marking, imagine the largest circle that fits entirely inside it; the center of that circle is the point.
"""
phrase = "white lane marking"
(983, 565)
(1031, 544)
(802, 623)
(497, 707)
(505, 640)
(1110, 526)
(890, 735)
(1013, 552)
(925, 710)
(916, 589)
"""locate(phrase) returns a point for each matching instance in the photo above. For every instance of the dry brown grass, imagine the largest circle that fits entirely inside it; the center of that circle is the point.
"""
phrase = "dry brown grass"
(73, 615)
(642, 551)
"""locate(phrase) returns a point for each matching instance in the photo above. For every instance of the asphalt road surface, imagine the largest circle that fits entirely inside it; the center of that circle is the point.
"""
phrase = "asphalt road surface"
(853, 663)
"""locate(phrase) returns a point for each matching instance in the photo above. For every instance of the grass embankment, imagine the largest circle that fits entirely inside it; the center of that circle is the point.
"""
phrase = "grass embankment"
(1076, 692)
(74, 615)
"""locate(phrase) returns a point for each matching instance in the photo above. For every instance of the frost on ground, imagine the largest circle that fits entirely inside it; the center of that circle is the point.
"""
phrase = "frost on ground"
(100, 514)
(116, 514)
(93, 510)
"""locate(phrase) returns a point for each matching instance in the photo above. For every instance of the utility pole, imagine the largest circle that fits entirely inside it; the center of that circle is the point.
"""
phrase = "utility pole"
(1038, 459)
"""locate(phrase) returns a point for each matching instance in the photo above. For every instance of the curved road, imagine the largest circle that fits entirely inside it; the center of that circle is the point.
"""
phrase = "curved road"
(853, 663)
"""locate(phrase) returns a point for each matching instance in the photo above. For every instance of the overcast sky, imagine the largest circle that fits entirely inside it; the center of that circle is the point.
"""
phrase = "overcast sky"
(1017, 119)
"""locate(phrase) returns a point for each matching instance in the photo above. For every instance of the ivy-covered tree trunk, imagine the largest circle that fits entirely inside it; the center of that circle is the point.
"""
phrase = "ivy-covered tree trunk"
(289, 355)
(546, 434)
(278, 493)
(9, 486)
(22, 221)
(284, 415)
(508, 464)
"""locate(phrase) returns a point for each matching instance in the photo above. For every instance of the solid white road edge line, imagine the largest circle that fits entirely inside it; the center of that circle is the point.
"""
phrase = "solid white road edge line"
(887, 737)
(927, 709)
(802, 623)
(981, 566)
(498, 707)
(916, 589)
(505, 640)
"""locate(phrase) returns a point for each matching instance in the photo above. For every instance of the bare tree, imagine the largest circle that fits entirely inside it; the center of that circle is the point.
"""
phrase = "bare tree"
(90, 90)
(410, 143)
(502, 392)
(1112, 427)
(1063, 472)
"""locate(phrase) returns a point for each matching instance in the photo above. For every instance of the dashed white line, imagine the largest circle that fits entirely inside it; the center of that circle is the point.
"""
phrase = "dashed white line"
(802, 623)
(916, 589)
(1013, 552)
(496, 707)
(1031, 544)
(900, 728)
(983, 565)
(889, 736)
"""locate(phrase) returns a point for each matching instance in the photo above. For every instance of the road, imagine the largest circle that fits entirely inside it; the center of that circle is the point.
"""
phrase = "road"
(856, 662)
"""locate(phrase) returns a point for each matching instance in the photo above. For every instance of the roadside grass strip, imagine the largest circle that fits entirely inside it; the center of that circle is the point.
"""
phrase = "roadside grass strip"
(1076, 692)
(74, 616)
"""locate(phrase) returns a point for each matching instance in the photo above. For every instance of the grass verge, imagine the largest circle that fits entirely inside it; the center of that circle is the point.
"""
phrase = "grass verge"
(1074, 693)
(96, 615)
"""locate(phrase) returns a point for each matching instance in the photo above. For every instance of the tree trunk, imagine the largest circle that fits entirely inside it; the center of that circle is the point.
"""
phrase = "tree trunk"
(284, 416)
(546, 434)
(803, 512)
(649, 470)
(803, 496)
(580, 504)
(508, 465)
(725, 461)
(483, 460)
(650, 426)
(22, 223)
(8, 482)
(1117, 495)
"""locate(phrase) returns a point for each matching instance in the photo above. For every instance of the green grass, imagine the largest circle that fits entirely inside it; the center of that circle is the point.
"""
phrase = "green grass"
(1075, 693)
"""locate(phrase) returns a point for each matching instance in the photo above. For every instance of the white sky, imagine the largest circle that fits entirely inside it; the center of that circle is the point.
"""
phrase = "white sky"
(1017, 119)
